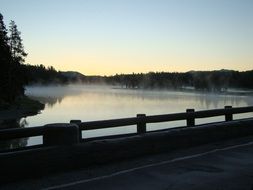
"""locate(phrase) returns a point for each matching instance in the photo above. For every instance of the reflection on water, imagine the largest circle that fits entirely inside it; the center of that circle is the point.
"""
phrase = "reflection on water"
(88, 103)
(96, 103)
(48, 101)
(15, 143)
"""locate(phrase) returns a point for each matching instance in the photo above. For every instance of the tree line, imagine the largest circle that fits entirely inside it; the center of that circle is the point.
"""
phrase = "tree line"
(217, 81)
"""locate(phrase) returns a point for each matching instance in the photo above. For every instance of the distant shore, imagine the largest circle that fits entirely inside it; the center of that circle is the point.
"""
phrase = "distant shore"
(236, 92)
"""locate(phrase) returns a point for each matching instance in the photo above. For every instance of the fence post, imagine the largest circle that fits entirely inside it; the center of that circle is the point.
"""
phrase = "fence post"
(141, 126)
(228, 115)
(61, 134)
(76, 121)
(190, 121)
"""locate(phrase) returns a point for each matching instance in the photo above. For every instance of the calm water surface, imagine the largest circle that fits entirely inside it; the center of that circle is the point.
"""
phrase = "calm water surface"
(88, 103)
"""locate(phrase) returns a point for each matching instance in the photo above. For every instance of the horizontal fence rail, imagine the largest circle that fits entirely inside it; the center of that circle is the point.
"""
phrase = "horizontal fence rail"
(164, 118)
(61, 132)
(15, 133)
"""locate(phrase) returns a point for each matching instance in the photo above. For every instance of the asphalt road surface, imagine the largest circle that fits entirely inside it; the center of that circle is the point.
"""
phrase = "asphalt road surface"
(218, 166)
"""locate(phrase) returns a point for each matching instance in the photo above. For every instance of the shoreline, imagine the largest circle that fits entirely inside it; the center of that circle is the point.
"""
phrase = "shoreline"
(24, 107)
(232, 93)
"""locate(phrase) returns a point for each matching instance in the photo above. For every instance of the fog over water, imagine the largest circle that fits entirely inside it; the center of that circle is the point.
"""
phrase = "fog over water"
(88, 103)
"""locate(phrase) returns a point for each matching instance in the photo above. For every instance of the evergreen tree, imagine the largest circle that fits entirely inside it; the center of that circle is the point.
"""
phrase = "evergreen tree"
(16, 46)
(5, 59)
(12, 55)
(16, 74)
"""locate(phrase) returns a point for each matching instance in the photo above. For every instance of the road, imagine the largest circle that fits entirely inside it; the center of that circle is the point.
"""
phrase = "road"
(217, 166)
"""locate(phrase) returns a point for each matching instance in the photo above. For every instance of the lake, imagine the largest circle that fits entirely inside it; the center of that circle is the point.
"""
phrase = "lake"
(88, 103)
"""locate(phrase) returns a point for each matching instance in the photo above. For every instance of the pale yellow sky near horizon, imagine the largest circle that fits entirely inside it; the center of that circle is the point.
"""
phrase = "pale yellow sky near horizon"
(97, 37)
(109, 64)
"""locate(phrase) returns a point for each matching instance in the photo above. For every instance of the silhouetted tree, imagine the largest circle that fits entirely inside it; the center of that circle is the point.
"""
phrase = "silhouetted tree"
(5, 60)
(16, 75)
(12, 55)
(16, 46)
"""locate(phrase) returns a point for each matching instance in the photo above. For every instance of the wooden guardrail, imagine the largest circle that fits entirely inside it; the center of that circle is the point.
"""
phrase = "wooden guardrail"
(141, 120)
(15, 133)
(55, 134)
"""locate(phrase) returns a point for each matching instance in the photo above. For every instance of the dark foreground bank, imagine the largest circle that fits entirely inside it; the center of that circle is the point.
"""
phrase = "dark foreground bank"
(22, 107)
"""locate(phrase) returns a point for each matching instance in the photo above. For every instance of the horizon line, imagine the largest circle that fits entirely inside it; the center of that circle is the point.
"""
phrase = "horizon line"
(108, 75)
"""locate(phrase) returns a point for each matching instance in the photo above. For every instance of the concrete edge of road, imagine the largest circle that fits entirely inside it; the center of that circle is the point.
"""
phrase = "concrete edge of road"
(204, 152)
(47, 160)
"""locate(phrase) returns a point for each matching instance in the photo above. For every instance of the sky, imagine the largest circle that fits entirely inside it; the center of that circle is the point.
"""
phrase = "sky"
(105, 37)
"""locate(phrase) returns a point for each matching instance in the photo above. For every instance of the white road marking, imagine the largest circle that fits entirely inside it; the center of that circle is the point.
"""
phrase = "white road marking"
(146, 166)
